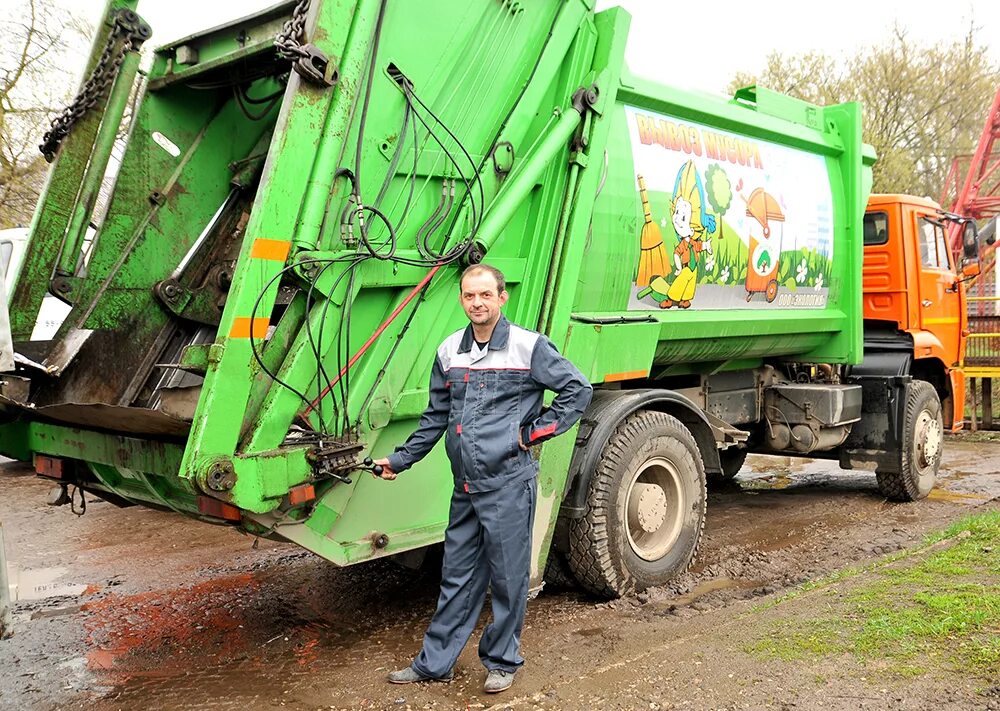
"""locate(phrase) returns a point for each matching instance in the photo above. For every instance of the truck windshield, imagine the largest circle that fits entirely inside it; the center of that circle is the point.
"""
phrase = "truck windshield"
(933, 248)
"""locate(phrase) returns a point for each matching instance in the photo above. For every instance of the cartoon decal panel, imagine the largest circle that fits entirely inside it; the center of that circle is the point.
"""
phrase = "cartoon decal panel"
(727, 221)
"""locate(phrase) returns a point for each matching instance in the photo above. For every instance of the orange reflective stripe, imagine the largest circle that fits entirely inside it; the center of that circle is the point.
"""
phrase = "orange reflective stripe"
(273, 249)
(629, 375)
(241, 328)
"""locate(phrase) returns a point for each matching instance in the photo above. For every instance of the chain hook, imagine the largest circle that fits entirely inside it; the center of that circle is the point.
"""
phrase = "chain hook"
(315, 66)
(308, 60)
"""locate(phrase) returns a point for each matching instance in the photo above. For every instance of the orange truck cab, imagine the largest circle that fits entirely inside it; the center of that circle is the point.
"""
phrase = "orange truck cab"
(914, 296)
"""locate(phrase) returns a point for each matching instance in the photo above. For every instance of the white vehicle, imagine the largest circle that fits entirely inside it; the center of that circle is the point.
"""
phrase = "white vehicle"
(13, 244)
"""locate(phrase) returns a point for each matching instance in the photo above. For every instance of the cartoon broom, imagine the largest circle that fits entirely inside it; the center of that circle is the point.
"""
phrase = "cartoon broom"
(652, 257)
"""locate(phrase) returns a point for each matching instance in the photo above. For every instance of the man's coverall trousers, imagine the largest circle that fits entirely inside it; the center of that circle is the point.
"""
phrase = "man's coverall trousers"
(488, 542)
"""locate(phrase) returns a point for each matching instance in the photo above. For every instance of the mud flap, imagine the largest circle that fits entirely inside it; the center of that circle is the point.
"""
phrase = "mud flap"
(876, 441)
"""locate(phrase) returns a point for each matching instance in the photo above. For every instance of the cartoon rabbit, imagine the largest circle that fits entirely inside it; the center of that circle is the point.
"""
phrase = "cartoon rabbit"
(691, 222)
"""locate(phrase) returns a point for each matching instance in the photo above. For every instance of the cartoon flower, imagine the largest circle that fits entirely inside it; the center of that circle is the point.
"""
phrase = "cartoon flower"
(724, 275)
(819, 281)
(710, 261)
(663, 222)
(801, 272)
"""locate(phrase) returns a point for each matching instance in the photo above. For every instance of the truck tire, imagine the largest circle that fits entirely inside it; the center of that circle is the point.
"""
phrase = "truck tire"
(921, 452)
(732, 461)
(645, 508)
(558, 575)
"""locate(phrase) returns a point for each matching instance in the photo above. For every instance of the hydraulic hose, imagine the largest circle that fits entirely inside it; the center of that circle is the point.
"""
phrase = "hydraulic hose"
(378, 332)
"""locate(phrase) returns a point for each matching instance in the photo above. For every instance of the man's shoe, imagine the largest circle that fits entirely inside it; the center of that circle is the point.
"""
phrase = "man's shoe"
(498, 680)
(411, 675)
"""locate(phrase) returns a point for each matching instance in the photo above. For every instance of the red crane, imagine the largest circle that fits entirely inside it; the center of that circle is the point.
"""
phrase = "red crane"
(978, 196)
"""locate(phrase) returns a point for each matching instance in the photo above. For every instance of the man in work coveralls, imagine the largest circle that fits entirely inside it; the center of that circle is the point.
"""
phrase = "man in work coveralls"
(486, 391)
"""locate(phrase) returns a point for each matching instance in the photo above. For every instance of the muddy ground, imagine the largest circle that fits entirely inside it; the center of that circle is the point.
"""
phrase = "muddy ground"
(137, 609)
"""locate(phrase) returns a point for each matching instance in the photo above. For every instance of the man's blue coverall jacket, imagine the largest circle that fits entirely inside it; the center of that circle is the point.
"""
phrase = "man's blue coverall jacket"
(483, 399)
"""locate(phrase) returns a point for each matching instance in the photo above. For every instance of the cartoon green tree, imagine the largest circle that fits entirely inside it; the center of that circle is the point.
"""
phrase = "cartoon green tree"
(720, 192)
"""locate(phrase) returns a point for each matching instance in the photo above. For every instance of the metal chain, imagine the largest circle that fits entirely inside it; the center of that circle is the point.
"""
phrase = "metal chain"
(97, 83)
(290, 39)
(308, 60)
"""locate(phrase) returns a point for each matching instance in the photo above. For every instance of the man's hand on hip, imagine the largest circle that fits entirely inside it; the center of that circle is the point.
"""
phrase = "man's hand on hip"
(387, 473)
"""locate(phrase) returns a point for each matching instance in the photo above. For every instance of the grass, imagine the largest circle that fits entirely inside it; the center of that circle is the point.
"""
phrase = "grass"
(936, 607)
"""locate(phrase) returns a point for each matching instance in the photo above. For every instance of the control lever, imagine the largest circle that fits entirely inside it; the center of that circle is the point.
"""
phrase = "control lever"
(370, 464)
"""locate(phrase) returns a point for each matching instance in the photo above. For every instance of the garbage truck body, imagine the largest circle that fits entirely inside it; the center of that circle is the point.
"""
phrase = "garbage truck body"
(259, 309)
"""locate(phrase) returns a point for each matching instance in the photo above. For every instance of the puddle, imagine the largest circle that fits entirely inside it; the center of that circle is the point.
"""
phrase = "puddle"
(957, 474)
(955, 496)
(769, 481)
(768, 464)
(710, 587)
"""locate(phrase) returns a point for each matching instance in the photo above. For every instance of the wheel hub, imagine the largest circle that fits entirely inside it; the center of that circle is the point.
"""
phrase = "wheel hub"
(652, 507)
(928, 439)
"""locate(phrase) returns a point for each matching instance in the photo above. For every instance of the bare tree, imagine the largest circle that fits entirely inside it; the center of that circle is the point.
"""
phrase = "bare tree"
(40, 50)
(922, 104)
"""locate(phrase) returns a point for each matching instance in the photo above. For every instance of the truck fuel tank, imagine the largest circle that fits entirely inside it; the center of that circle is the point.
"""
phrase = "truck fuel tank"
(808, 417)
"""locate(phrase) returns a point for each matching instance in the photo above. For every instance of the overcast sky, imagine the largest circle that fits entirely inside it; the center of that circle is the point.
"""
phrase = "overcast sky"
(690, 44)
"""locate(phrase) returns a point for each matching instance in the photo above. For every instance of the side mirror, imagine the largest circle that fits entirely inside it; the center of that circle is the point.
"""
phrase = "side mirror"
(971, 269)
(970, 242)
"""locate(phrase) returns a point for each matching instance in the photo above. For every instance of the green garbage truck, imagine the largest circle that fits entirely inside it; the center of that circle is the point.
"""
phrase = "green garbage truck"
(256, 315)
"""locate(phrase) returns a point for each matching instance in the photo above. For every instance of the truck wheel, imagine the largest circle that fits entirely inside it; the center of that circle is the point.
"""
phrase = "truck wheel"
(645, 508)
(558, 575)
(921, 452)
(732, 461)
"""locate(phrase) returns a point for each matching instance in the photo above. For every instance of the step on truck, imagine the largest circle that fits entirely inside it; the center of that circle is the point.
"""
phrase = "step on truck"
(256, 316)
